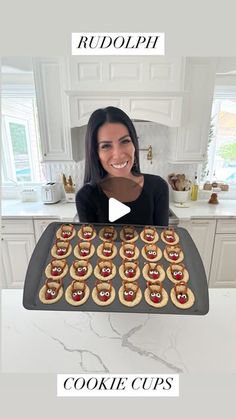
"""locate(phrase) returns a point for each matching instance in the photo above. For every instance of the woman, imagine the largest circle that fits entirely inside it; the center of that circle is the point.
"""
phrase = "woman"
(112, 170)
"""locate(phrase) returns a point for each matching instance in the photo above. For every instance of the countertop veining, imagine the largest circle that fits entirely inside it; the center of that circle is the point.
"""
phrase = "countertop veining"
(66, 211)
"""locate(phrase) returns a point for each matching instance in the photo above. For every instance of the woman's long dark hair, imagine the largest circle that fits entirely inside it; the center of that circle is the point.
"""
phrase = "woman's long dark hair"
(94, 171)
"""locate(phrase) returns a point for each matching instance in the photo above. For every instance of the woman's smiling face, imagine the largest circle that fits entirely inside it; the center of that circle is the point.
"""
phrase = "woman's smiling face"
(115, 149)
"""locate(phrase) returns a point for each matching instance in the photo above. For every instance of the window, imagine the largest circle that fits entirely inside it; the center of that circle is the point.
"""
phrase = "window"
(221, 163)
(21, 153)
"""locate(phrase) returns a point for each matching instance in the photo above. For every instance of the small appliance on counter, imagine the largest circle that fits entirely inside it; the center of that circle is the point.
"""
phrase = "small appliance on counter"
(69, 188)
(51, 193)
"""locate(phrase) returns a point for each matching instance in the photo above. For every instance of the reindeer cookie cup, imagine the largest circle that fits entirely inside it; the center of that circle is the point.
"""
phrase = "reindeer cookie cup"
(51, 292)
(87, 232)
(149, 235)
(181, 296)
(81, 270)
(169, 236)
(103, 293)
(66, 232)
(153, 272)
(77, 293)
(177, 272)
(56, 269)
(155, 295)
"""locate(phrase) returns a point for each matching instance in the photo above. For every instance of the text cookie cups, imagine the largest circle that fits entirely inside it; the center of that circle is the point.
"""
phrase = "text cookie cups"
(87, 232)
(61, 249)
(129, 270)
(173, 254)
(181, 296)
(155, 295)
(128, 234)
(57, 269)
(105, 270)
(177, 272)
(149, 235)
(84, 250)
(130, 294)
(81, 270)
(77, 293)
(51, 291)
(151, 252)
(66, 232)
(129, 251)
(153, 272)
(107, 250)
(103, 293)
(169, 236)
(108, 233)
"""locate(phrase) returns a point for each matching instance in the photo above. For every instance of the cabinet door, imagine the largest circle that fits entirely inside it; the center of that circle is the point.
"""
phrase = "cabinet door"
(189, 143)
(202, 233)
(40, 226)
(51, 81)
(223, 268)
(150, 74)
(16, 253)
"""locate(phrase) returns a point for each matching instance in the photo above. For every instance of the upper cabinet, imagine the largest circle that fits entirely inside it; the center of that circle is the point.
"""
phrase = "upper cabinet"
(51, 82)
(148, 88)
(189, 142)
(126, 74)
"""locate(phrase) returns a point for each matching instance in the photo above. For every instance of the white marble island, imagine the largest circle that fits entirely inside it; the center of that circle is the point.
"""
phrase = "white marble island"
(74, 342)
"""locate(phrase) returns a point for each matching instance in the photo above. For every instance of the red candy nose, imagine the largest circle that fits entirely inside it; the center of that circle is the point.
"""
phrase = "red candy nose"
(154, 275)
(130, 274)
(81, 273)
(83, 252)
(76, 297)
(149, 238)
(129, 297)
(60, 252)
(66, 234)
(105, 273)
(170, 239)
(182, 299)
(151, 255)
(106, 252)
(174, 257)
(156, 299)
(55, 273)
(178, 276)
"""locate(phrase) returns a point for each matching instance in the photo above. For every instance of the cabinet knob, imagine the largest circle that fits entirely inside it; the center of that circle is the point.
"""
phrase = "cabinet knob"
(45, 154)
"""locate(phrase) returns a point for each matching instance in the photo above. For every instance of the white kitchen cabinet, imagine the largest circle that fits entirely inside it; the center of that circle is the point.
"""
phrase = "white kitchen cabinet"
(40, 226)
(51, 81)
(119, 74)
(223, 268)
(202, 232)
(164, 109)
(17, 243)
(189, 142)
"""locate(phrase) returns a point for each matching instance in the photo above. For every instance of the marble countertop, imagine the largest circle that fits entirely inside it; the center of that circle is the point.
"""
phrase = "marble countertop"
(201, 209)
(79, 342)
(66, 211)
(63, 210)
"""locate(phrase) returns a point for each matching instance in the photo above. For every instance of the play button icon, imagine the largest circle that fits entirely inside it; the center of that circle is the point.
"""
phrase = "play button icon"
(116, 210)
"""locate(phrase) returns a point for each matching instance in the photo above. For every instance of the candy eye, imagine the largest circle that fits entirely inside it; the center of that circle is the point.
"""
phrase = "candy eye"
(153, 294)
(126, 292)
(131, 292)
(59, 269)
(79, 292)
(53, 292)
(102, 293)
(74, 294)
(49, 291)
(107, 294)
(158, 294)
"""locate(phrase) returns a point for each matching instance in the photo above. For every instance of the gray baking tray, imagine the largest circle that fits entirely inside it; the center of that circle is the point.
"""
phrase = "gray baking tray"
(41, 257)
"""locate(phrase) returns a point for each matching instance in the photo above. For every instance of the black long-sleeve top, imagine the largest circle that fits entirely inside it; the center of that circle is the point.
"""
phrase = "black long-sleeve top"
(150, 208)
